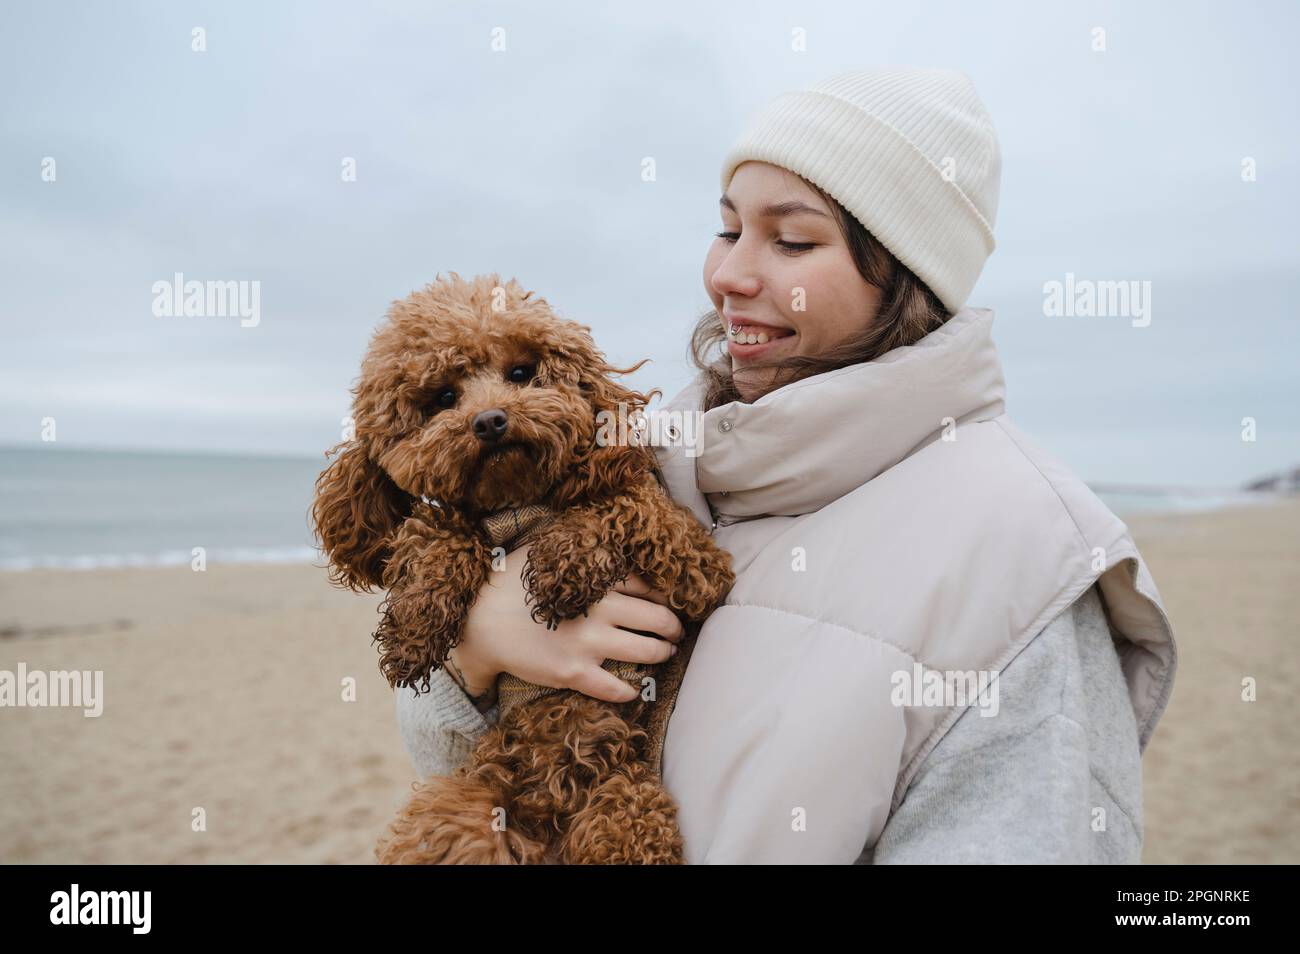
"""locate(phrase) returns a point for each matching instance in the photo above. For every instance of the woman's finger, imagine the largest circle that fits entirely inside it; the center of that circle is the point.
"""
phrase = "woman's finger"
(634, 585)
(603, 684)
(638, 613)
(629, 647)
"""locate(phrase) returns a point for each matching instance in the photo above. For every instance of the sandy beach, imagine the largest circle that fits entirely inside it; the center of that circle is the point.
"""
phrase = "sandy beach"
(1221, 777)
(224, 691)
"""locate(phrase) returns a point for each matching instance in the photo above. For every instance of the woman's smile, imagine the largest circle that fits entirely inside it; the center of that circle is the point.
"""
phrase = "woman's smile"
(747, 338)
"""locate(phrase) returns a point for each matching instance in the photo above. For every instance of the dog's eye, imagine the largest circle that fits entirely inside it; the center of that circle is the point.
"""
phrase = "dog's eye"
(521, 374)
(445, 398)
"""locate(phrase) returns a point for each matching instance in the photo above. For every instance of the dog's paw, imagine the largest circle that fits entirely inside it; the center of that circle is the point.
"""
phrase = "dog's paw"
(697, 580)
(716, 577)
(417, 628)
(566, 572)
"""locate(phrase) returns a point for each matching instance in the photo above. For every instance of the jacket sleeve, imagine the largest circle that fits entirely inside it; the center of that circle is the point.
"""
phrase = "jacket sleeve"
(440, 727)
(1053, 778)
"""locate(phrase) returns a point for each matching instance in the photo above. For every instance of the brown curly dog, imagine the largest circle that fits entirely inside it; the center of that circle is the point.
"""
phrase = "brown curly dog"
(477, 423)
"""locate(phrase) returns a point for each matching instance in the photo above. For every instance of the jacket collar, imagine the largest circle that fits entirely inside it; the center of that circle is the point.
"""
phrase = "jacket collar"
(804, 445)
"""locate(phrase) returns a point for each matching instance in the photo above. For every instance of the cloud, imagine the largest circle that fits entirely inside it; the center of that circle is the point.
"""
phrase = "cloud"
(226, 165)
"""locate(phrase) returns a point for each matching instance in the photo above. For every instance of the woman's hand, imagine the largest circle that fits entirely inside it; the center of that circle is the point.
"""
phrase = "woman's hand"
(501, 636)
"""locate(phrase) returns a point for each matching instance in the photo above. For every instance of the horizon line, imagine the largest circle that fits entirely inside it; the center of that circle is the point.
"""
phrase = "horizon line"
(157, 451)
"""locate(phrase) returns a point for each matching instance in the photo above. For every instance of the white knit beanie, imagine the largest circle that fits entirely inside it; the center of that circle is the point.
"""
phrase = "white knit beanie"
(911, 153)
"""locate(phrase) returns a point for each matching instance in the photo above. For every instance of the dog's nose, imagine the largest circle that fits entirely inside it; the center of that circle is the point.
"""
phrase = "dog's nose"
(489, 425)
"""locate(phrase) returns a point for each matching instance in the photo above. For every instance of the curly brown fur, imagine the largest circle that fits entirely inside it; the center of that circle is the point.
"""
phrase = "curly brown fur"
(575, 562)
(437, 566)
(474, 397)
(356, 510)
(562, 780)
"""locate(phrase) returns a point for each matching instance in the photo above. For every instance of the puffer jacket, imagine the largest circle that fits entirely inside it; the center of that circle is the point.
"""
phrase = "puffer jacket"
(881, 516)
(888, 525)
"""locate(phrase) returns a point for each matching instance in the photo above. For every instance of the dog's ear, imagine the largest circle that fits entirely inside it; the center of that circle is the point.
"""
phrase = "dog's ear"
(356, 512)
(614, 459)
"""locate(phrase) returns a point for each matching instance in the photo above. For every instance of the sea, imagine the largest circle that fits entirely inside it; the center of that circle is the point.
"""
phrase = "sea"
(87, 509)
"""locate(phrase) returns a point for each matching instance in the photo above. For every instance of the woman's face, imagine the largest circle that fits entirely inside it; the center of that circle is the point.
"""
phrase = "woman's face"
(781, 269)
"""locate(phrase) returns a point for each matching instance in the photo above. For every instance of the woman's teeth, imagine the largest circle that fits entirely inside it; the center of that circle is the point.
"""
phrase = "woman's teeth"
(741, 336)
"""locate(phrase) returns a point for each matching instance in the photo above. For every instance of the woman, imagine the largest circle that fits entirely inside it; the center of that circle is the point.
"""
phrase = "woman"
(891, 531)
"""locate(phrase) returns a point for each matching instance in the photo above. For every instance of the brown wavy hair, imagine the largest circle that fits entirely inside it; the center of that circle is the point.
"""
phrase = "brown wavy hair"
(908, 312)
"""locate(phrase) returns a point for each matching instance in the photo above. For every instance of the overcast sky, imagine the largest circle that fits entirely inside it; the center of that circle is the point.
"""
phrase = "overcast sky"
(225, 165)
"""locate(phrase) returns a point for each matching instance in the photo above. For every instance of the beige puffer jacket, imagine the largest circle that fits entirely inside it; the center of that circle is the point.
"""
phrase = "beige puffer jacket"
(880, 516)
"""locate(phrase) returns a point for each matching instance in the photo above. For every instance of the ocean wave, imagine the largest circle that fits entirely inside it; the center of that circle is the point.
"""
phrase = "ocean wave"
(1154, 501)
(103, 561)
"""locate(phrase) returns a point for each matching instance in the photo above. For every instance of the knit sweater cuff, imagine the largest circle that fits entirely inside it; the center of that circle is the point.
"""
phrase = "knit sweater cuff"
(455, 710)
